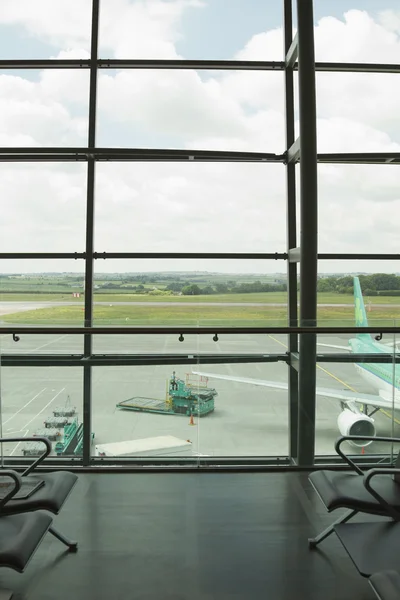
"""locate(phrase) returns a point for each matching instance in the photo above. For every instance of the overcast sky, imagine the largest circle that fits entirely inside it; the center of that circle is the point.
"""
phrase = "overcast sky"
(194, 207)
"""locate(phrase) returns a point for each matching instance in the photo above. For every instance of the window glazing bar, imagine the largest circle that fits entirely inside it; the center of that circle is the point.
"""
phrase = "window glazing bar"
(46, 255)
(25, 360)
(182, 155)
(194, 255)
(360, 158)
(359, 256)
(294, 255)
(220, 65)
(292, 358)
(156, 330)
(142, 154)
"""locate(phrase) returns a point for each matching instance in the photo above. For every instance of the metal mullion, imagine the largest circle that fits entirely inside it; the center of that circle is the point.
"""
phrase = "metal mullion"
(309, 228)
(291, 242)
(89, 261)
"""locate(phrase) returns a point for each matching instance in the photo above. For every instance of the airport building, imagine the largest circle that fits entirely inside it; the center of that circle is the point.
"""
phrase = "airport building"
(198, 298)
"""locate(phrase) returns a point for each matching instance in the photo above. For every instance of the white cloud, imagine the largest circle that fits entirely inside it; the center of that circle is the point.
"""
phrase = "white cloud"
(197, 207)
(356, 38)
(142, 29)
(63, 23)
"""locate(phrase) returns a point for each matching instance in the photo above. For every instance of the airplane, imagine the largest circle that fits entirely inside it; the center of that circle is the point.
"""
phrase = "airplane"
(384, 378)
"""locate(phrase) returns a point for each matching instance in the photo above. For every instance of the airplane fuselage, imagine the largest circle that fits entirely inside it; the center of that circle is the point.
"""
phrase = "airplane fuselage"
(382, 377)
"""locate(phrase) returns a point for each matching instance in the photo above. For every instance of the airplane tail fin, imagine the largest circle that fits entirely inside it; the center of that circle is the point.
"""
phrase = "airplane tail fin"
(359, 306)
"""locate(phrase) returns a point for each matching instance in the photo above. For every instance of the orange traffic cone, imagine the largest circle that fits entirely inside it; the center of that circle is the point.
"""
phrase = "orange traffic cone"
(191, 422)
(363, 450)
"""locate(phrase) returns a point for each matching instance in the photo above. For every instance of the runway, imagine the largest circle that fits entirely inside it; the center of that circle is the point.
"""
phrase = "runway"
(9, 307)
(248, 420)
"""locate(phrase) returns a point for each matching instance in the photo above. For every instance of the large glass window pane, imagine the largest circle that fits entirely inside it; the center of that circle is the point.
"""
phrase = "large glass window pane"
(44, 108)
(191, 109)
(190, 30)
(357, 112)
(42, 401)
(216, 417)
(358, 399)
(45, 29)
(43, 208)
(355, 215)
(355, 394)
(42, 293)
(340, 296)
(163, 207)
(189, 292)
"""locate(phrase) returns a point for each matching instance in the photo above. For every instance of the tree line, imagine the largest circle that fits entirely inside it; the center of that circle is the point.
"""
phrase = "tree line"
(376, 284)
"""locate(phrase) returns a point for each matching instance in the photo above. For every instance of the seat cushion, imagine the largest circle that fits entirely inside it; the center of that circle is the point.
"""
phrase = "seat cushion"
(339, 489)
(51, 496)
(386, 585)
(19, 537)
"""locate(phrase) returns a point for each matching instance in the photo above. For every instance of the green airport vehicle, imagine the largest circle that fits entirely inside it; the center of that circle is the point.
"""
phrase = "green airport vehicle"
(190, 397)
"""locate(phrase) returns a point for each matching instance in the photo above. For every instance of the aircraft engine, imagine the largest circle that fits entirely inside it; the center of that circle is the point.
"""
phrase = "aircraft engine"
(351, 423)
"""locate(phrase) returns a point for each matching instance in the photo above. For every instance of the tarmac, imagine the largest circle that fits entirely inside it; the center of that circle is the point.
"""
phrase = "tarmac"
(248, 420)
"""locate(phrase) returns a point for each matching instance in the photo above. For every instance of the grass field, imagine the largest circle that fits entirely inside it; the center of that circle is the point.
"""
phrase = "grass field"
(192, 315)
(265, 298)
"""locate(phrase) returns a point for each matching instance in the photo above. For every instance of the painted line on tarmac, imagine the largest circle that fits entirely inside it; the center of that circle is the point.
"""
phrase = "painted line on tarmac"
(12, 452)
(44, 408)
(22, 408)
(48, 343)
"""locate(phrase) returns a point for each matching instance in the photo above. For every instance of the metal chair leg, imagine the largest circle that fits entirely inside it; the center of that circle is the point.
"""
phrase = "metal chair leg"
(73, 546)
(313, 542)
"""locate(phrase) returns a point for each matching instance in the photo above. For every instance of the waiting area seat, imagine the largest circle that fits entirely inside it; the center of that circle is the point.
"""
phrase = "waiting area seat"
(20, 534)
(353, 490)
(44, 491)
(386, 585)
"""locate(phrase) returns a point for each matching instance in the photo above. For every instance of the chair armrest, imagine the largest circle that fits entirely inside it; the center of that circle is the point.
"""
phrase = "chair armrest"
(41, 458)
(366, 438)
(395, 514)
(18, 482)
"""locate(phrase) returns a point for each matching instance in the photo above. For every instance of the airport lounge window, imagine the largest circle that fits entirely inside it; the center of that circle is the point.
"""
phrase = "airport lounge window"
(152, 254)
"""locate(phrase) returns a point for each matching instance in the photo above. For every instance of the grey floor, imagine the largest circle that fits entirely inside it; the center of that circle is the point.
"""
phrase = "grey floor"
(191, 536)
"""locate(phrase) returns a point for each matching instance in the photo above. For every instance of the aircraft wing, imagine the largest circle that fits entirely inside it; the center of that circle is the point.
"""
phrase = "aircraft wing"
(343, 395)
(347, 348)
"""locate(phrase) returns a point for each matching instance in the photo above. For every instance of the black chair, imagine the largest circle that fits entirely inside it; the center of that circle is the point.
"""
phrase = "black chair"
(343, 489)
(386, 585)
(20, 534)
(44, 491)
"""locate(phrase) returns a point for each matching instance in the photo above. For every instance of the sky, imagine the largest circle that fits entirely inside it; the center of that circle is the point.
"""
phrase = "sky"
(194, 207)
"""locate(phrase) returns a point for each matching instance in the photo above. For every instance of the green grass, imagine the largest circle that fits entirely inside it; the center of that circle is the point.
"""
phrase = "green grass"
(190, 315)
